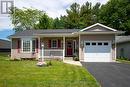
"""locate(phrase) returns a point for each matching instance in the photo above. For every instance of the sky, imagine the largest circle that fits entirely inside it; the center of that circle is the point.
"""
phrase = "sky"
(54, 8)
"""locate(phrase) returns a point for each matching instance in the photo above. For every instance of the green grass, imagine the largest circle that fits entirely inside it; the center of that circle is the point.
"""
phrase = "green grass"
(123, 61)
(27, 74)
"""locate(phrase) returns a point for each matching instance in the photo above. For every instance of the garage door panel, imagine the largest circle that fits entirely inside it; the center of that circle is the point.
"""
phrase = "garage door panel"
(90, 54)
(97, 55)
(97, 49)
(101, 52)
(97, 60)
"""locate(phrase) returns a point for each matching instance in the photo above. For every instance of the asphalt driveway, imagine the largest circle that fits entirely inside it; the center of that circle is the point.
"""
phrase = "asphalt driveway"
(110, 74)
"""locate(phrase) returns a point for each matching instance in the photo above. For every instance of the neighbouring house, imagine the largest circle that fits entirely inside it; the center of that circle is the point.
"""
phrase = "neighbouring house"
(123, 46)
(92, 44)
(5, 46)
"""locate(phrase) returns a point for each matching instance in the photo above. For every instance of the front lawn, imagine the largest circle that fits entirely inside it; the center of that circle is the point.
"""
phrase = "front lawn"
(27, 74)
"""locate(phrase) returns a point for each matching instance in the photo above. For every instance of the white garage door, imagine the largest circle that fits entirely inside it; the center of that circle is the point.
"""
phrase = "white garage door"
(97, 51)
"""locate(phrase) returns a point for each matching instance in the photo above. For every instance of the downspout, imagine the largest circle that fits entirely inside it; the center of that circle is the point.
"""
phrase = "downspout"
(79, 49)
(115, 47)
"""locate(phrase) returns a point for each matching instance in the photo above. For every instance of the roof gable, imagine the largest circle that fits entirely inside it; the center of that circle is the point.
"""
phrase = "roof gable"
(98, 27)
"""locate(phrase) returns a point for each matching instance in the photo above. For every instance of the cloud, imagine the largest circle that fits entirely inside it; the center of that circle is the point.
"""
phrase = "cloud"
(54, 8)
(5, 23)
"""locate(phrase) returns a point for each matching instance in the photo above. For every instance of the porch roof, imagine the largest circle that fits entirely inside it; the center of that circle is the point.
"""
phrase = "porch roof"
(44, 32)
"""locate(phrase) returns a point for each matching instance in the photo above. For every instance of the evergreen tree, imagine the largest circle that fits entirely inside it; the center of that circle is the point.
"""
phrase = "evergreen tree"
(44, 22)
(116, 14)
(73, 17)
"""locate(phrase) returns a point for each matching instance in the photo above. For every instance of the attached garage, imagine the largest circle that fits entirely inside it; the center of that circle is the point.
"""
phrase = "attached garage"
(97, 43)
(97, 51)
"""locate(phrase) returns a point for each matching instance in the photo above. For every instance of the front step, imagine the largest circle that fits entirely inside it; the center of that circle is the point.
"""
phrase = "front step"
(68, 58)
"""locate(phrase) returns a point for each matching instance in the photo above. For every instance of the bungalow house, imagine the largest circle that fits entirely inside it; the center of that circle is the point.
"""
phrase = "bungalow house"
(91, 44)
(123, 46)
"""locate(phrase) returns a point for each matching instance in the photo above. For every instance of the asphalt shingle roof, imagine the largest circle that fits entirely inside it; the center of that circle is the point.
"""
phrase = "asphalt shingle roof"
(121, 39)
(49, 31)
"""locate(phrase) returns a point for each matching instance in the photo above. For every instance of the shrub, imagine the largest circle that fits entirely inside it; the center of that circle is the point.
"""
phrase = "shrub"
(49, 63)
(57, 59)
(124, 58)
(76, 58)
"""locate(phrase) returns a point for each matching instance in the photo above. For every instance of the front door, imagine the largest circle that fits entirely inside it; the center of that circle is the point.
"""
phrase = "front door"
(69, 47)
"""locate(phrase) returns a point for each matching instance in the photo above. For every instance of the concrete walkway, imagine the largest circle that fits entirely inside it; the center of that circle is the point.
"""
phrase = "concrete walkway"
(73, 62)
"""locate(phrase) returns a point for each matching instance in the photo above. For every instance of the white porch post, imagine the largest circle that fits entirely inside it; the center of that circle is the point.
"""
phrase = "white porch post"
(42, 51)
(39, 48)
(63, 48)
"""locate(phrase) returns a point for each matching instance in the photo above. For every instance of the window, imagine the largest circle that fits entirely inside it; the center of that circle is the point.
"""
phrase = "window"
(69, 44)
(29, 45)
(54, 43)
(105, 43)
(93, 43)
(26, 44)
(100, 44)
(87, 43)
(33, 45)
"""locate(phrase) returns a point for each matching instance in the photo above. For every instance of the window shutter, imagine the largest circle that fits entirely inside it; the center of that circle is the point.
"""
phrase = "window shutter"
(18, 45)
(49, 44)
(59, 43)
(36, 45)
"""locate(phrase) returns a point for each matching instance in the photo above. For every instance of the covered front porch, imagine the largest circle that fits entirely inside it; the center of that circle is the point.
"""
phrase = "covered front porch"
(58, 47)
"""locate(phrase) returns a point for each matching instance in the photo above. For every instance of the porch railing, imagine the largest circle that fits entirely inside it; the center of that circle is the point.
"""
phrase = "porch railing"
(52, 53)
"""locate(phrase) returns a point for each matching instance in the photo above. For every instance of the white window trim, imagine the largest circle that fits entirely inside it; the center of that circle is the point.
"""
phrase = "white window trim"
(56, 43)
(30, 45)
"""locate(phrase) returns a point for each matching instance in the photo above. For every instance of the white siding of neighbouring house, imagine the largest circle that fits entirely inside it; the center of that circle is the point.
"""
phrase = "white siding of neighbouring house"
(126, 47)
